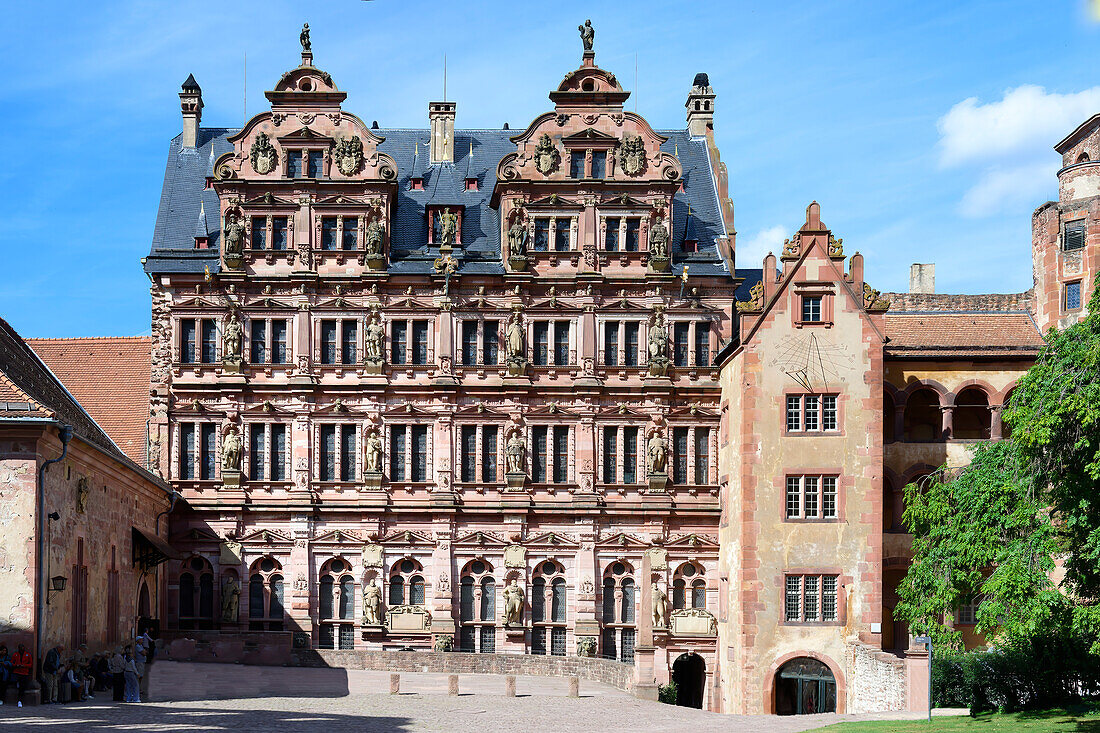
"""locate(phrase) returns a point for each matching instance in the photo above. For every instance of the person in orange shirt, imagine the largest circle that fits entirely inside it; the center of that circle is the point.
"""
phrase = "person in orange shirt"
(21, 664)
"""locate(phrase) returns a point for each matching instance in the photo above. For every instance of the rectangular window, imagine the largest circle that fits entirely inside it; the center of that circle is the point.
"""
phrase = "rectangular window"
(680, 343)
(278, 452)
(1075, 235)
(811, 412)
(542, 235)
(294, 164)
(611, 343)
(679, 455)
(256, 445)
(630, 455)
(794, 413)
(419, 452)
(630, 352)
(561, 454)
(258, 343)
(810, 598)
(327, 462)
(599, 164)
(538, 637)
(347, 453)
(828, 497)
(278, 342)
(187, 451)
(811, 497)
(542, 342)
(611, 236)
(828, 413)
(538, 457)
(609, 643)
(350, 237)
(397, 453)
(576, 164)
(328, 232)
(488, 640)
(315, 163)
(259, 232)
(348, 339)
(420, 342)
(209, 452)
(1073, 296)
(561, 235)
(469, 453)
(828, 598)
(489, 453)
(187, 340)
(702, 343)
(702, 458)
(279, 228)
(610, 454)
(811, 488)
(793, 598)
(398, 340)
(628, 646)
(561, 343)
(632, 228)
(490, 341)
(811, 308)
(469, 342)
(328, 342)
(209, 341)
(557, 641)
(794, 497)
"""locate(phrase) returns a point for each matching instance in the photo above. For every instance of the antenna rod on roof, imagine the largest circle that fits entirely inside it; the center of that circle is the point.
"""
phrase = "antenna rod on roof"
(635, 81)
(245, 87)
(444, 77)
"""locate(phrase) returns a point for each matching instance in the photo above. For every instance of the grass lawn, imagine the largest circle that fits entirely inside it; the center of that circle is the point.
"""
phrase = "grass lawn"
(1062, 721)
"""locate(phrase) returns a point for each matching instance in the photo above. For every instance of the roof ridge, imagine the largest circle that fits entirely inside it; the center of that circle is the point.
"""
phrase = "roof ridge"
(1020, 312)
(87, 338)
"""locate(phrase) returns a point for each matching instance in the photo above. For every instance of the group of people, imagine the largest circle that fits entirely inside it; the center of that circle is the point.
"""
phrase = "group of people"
(124, 671)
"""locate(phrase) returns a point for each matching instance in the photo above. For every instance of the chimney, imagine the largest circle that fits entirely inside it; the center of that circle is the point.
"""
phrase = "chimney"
(922, 278)
(700, 107)
(441, 115)
(191, 107)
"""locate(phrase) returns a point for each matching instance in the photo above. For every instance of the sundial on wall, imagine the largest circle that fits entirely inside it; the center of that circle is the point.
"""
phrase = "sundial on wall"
(810, 362)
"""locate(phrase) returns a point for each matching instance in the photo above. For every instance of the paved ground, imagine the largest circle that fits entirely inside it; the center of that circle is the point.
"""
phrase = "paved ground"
(214, 697)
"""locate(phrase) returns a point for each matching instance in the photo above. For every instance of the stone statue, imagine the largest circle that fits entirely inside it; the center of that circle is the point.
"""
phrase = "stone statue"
(658, 239)
(374, 235)
(372, 605)
(304, 38)
(374, 338)
(588, 34)
(517, 239)
(82, 491)
(658, 338)
(374, 452)
(231, 600)
(660, 608)
(231, 339)
(656, 453)
(231, 449)
(513, 604)
(516, 453)
(447, 225)
(514, 339)
(234, 235)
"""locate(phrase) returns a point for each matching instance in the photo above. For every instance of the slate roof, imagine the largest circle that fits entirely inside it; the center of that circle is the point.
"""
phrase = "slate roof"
(961, 333)
(110, 379)
(173, 248)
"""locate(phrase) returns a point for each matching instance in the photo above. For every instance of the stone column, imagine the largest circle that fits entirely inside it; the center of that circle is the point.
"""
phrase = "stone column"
(948, 421)
(301, 463)
(443, 575)
(584, 611)
(899, 422)
(297, 580)
(996, 426)
(644, 652)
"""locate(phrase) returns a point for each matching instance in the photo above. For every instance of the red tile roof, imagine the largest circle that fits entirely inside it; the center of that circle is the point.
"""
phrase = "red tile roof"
(946, 333)
(109, 376)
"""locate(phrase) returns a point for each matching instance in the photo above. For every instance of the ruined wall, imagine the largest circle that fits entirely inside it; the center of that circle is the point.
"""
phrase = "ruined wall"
(877, 680)
(18, 464)
(951, 302)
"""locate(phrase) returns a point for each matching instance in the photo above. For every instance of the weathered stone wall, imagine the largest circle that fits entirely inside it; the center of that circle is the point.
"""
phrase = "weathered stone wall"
(17, 519)
(951, 302)
(877, 680)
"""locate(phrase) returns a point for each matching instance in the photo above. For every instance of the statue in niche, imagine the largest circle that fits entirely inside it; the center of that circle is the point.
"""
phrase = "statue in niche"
(234, 235)
(231, 600)
(660, 608)
(231, 339)
(374, 236)
(656, 453)
(516, 452)
(517, 238)
(82, 491)
(372, 605)
(374, 452)
(658, 339)
(263, 157)
(546, 155)
(588, 34)
(632, 155)
(304, 38)
(231, 449)
(514, 339)
(658, 239)
(448, 223)
(374, 338)
(513, 604)
(348, 154)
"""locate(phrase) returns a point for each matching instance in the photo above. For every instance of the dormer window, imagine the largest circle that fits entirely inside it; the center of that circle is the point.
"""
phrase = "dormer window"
(311, 162)
(339, 233)
(471, 184)
(416, 184)
(811, 309)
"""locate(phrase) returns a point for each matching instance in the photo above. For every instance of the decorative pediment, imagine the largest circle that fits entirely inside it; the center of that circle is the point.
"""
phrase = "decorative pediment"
(693, 541)
(333, 408)
(266, 408)
(622, 411)
(198, 534)
(550, 541)
(266, 537)
(197, 302)
(269, 199)
(480, 539)
(693, 411)
(304, 135)
(342, 201)
(589, 135)
(549, 409)
(407, 538)
(271, 304)
(624, 201)
(339, 537)
(622, 540)
(482, 410)
(407, 411)
(554, 201)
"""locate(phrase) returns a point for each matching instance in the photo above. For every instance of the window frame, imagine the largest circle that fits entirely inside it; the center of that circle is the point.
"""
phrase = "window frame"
(824, 399)
(821, 577)
(795, 484)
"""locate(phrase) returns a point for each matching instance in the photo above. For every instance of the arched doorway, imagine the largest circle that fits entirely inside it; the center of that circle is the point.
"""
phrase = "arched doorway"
(804, 686)
(689, 672)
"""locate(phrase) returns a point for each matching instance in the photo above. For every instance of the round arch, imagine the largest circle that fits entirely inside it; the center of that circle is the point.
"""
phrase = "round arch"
(773, 671)
(689, 672)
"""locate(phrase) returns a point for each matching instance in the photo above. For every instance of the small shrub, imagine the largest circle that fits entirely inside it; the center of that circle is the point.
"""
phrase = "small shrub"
(445, 643)
(667, 693)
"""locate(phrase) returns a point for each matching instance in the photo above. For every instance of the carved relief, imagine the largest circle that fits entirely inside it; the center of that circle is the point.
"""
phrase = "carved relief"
(348, 154)
(372, 556)
(755, 301)
(515, 556)
(263, 155)
(693, 622)
(231, 449)
(547, 157)
(632, 155)
(82, 491)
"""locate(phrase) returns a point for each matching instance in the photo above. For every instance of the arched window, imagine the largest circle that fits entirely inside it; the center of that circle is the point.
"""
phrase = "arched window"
(265, 595)
(477, 608)
(689, 587)
(972, 417)
(196, 594)
(1083, 158)
(548, 609)
(336, 603)
(619, 612)
(889, 416)
(406, 583)
(804, 686)
(923, 418)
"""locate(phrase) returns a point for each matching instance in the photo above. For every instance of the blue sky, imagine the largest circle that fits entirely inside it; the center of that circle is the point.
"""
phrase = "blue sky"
(924, 129)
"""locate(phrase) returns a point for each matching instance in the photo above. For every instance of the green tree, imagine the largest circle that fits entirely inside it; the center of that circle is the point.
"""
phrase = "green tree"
(1000, 528)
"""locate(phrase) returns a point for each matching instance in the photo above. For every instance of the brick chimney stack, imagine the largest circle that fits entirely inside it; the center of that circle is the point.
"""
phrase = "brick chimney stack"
(700, 106)
(441, 115)
(191, 107)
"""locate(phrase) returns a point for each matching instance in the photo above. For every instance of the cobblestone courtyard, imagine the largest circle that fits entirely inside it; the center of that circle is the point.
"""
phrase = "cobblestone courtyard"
(213, 697)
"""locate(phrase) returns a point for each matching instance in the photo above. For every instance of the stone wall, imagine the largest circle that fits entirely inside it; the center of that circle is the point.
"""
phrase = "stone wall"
(604, 671)
(950, 302)
(877, 680)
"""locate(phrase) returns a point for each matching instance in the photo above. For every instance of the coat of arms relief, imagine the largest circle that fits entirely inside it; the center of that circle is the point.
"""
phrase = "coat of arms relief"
(348, 154)
(263, 155)
(546, 155)
(632, 155)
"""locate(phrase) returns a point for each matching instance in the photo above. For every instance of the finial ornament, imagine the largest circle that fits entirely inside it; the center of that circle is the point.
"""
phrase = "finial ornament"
(304, 38)
(588, 34)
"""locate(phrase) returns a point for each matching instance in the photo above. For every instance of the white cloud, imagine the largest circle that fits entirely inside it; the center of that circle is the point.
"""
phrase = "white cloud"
(1026, 121)
(752, 250)
(1001, 189)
